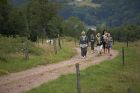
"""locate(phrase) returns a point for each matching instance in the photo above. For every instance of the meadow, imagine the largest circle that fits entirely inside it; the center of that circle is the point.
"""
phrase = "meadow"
(108, 77)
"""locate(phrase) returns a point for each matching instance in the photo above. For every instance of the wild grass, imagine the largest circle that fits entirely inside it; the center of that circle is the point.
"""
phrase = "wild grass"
(12, 56)
(107, 77)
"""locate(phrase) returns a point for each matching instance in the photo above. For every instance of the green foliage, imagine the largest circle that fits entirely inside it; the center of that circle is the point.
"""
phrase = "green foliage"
(39, 14)
(126, 32)
(73, 27)
(118, 12)
(4, 12)
(31, 20)
(55, 27)
(17, 23)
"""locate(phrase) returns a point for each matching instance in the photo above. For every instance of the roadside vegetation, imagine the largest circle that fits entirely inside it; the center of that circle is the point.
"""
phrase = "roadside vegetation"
(12, 54)
(107, 77)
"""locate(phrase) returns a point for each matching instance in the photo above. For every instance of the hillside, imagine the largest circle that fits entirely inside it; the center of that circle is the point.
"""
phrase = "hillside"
(18, 2)
(95, 12)
(111, 12)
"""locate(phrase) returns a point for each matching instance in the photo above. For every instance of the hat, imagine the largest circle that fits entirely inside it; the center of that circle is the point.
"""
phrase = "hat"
(98, 34)
(83, 33)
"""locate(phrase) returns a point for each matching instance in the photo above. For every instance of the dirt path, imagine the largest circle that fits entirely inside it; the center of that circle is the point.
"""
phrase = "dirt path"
(26, 80)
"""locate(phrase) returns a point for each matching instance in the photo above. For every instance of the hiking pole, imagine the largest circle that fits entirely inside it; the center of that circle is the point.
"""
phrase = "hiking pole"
(78, 78)
(123, 55)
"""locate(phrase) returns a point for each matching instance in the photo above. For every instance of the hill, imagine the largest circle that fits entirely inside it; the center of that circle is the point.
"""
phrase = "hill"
(111, 12)
(18, 2)
(95, 12)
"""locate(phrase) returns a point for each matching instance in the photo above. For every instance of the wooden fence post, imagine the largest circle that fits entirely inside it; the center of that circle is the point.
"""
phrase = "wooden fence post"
(59, 41)
(129, 90)
(127, 42)
(25, 50)
(55, 46)
(123, 55)
(78, 78)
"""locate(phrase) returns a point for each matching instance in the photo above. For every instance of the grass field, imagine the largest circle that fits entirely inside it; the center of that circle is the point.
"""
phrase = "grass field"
(107, 77)
(12, 58)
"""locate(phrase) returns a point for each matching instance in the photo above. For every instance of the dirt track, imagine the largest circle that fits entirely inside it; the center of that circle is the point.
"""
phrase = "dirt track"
(26, 80)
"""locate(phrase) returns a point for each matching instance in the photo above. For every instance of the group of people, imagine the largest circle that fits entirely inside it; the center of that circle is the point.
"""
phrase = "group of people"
(102, 43)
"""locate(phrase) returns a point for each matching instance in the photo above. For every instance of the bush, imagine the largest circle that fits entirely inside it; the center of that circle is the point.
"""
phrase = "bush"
(69, 39)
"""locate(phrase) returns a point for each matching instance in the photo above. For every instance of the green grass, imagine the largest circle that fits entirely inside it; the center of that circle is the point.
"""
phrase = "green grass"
(107, 77)
(12, 59)
(63, 54)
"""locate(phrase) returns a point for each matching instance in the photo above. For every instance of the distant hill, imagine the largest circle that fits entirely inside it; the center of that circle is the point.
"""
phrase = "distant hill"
(18, 2)
(111, 12)
(94, 12)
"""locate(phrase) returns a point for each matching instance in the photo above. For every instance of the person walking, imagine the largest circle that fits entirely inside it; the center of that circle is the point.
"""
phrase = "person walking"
(99, 44)
(83, 44)
(92, 41)
(103, 40)
(109, 43)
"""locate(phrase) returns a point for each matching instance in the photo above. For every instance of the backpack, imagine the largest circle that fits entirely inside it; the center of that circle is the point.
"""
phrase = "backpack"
(92, 38)
(83, 40)
(104, 39)
(98, 40)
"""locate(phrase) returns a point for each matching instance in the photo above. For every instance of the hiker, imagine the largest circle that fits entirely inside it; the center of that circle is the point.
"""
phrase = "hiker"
(83, 44)
(103, 40)
(98, 42)
(109, 43)
(92, 41)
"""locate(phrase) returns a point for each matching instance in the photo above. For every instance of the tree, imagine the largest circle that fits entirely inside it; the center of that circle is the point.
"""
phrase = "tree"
(4, 16)
(55, 30)
(17, 23)
(73, 26)
(39, 13)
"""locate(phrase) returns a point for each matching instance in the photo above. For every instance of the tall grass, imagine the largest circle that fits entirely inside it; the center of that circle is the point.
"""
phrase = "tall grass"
(107, 77)
(12, 56)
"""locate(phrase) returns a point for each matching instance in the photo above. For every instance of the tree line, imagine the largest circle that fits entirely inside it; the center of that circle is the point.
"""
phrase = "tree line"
(38, 19)
(126, 33)
(129, 32)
